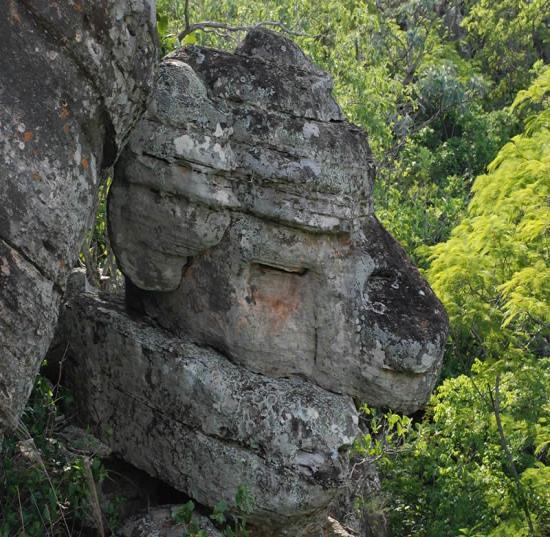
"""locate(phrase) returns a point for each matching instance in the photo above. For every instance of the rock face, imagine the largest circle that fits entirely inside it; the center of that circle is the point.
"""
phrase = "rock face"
(242, 217)
(74, 79)
(262, 293)
(187, 415)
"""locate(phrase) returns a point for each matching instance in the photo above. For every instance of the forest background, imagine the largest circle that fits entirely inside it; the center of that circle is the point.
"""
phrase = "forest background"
(454, 96)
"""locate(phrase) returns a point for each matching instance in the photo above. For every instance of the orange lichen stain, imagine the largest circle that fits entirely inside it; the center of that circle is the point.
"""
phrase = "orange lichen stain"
(64, 113)
(14, 15)
(61, 264)
(66, 128)
(36, 176)
(276, 304)
(77, 6)
(27, 136)
(85, 163)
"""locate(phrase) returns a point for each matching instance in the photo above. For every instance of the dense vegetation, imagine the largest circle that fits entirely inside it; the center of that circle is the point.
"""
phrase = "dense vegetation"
(454, 95)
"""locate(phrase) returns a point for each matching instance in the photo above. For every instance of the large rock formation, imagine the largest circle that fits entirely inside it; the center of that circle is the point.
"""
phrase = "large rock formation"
(242, 216)
(74, 79)
(187, 415)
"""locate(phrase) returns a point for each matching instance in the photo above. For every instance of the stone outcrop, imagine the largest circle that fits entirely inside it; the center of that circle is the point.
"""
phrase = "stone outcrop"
(74, 79)
(189, 416)
(262, 294)
(242, 217)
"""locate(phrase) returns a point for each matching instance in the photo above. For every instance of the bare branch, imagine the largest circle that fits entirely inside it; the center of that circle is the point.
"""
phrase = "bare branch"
(212, 26)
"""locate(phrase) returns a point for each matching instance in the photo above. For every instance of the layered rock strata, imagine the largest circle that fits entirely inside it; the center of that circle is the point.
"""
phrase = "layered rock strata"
(74, 79)
(242, 217)
(187, 415)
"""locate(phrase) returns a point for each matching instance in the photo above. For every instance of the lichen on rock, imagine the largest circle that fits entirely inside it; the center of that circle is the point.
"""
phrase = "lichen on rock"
(242, 216)
(262, 294)
(75, 78)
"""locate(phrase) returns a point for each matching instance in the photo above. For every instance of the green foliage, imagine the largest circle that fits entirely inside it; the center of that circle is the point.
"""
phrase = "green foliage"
(219, 514)
(184, 513)
(244, 503)
(458, 473)
(44, 489)
(387, 432)
(493, 273)
(506, 37)
(451, 476)
(232, 524)
(96, 254)
(432, 95)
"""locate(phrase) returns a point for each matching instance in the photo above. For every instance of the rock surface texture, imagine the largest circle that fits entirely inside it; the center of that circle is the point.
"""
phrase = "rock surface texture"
(242, 216)
(74, 80)
(187, 415)
(159, 522)
(262, 293)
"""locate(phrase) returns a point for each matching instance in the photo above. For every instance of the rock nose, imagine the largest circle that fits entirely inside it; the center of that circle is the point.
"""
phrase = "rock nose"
(404, 325)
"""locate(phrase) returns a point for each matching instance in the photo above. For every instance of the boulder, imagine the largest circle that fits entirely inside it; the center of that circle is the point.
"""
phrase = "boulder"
(75, 78)
(241, 214)
(188, 416)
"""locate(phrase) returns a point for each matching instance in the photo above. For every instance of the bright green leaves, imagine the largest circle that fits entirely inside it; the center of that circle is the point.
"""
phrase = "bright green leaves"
(233, 524)
(493, 274)
(465, 471)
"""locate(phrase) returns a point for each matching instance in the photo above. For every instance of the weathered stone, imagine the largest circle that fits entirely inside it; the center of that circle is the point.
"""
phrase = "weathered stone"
(241, 214)
(188, 416)
(335, 529)
(74, 79)
(159, 522)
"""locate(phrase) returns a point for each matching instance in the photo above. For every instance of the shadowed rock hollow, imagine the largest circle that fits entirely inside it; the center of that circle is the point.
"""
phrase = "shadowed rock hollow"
(263, 293)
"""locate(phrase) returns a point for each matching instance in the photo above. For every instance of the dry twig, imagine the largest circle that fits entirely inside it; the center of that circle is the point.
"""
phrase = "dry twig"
(223, 29)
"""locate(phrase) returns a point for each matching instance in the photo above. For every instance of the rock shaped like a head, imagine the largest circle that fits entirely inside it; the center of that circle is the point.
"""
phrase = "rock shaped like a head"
(241, 215)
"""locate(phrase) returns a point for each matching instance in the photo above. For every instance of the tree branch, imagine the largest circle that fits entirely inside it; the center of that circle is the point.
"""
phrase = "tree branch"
(186, 14)
(495, 403)
(213, 26)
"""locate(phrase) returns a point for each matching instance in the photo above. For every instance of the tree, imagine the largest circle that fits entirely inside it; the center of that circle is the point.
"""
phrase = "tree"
(477, 464)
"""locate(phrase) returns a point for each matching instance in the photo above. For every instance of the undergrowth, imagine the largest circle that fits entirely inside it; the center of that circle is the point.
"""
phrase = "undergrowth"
(47, 490)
